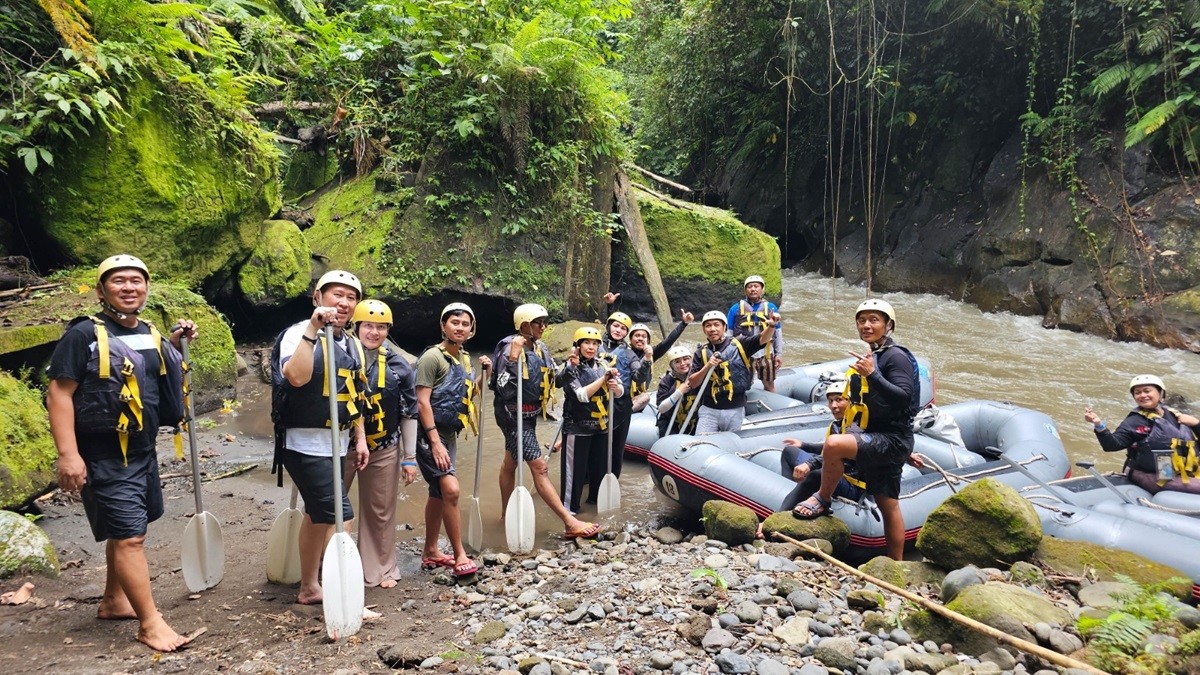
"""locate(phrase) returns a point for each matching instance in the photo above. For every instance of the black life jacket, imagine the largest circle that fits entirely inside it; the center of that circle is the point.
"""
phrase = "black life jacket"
(386, 400)
(733, 376)
(620, 356)
(1167, 434)
(537, 377)
(749, 321)
(590, 417)
(453, 399)
(110, 396)
(857, 388)
(674, 417)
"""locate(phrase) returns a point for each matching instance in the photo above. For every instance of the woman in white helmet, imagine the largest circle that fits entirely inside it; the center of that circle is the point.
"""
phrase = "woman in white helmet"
(1160, 441)
(675, 397)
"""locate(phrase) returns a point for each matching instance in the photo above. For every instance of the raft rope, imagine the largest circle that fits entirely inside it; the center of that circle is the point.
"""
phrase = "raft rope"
(1142, 501)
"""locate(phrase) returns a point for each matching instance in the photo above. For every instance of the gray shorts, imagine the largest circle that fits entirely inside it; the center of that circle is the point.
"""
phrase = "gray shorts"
(711, 420)
(121, 499)
(313, 477)
(429, 468)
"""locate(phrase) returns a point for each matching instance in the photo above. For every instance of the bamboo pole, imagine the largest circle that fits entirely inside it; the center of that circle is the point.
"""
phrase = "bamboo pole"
(1024, 645)
(654, 176)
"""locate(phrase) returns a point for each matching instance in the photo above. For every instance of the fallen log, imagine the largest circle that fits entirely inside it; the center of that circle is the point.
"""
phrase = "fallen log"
(653, 176)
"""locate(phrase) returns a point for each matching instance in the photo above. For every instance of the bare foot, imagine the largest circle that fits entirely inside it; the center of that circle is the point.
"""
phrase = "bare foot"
(369, 615)
(115, 610)
(157, 635)
(309, 596)
(387, 583)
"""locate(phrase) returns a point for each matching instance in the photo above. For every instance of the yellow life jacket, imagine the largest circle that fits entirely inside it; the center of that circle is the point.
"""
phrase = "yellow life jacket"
(1184, 461)
(856, 391)
(725, 380)
(836, 427)
(753, 322)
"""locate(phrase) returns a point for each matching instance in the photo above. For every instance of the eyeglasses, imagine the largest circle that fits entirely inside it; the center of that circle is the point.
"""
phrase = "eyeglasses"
(540, 322)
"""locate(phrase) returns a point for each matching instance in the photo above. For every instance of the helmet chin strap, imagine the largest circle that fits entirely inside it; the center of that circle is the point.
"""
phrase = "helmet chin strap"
(118, 313)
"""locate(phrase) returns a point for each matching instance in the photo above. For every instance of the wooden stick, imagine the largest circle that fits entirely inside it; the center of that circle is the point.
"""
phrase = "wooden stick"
(664, 181)
(26, 289)
(569, 662)
(1023, 645)
(233, 472)
(670, 200)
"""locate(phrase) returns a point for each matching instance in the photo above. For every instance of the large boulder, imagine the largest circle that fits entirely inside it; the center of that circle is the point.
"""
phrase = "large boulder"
(985, 524)
(27, 452)
(1002, 606)
(25, 548)
(279, 268)
(733, 524)
(1079, 558)
(828, 528)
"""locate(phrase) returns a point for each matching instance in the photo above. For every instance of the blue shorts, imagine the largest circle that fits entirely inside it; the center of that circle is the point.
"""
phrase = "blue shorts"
(313, 477)
(121, 499)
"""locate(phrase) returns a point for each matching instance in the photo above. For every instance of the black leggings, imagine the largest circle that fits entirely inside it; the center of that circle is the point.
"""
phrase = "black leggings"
(575, 460)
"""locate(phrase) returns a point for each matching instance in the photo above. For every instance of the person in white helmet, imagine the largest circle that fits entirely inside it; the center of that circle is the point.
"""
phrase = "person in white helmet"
(722, 402)
(106, 448)
(639, 342)
(300, 408)
(446, 392)
(802, 461)
(749, 317)
(883, 387)
(675, 397)
(536, 379)
(1160, 441)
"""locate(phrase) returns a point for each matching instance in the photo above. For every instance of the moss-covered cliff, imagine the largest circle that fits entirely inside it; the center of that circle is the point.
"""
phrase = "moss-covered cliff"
(27, 452)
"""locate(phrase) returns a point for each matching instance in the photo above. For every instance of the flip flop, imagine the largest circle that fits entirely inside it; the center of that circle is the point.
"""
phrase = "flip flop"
(440, 561)
(589, 531)
(813, 507)
(465, 569)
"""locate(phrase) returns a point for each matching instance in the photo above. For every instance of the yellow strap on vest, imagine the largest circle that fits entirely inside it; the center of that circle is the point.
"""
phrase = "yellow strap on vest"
(469, 418)
(352, 395)
(131, 395)
(102, 349)
(600, 411)
(158, 340)
(856, 412)
(833, 428)
(722, 380)
(1186, 464)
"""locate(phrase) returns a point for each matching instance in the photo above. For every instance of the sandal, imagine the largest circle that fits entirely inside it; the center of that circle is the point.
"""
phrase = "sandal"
(465, 569)
(589, 531)
(436, 562)
(813, 507)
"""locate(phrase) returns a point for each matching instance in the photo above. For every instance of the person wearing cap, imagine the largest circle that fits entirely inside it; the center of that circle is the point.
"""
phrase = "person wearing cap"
(675, 397)
(802, 461)
(446, 392)
(1159, 441)
(303, 412)
(722, 402)
(639, 342)
(883, 387)
(586, 378)
(106, 446)
(389, 423)
(749, 317)
(536, 378)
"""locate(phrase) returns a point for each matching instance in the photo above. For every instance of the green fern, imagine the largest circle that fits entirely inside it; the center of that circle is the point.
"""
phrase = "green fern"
(1152, 121)
(1110, 79)
(1122, 632)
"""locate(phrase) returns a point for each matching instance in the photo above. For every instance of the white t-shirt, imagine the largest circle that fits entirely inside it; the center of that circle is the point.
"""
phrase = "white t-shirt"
(309, 441)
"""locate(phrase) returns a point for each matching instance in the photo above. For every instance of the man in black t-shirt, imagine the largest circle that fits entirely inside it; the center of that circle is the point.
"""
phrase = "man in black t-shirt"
(116, 471)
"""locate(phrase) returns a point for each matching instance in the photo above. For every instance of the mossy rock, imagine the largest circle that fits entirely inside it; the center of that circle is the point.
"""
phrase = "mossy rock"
(985, 524)
(885, 569)
(25, 548)
(918, 572)
(45, 315)
(1076, 558)
(28, 453)
(304, 172)
(279, 268)
(828, 528)
(1002, 606)
(164, 187)
(724, 521)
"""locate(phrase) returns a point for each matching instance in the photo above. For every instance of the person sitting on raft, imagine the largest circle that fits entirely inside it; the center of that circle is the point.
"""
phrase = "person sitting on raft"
(801, 461)
(884, 391)
(675, 397)
(1160, 442)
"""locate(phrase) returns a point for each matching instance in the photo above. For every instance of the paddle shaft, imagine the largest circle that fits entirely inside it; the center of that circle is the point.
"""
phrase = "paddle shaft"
(1107, 483)
(191, 422)
(479, 446)
(611, 418)
(520, 419)
(335, 433)
(1029, 474)
(674, 410)
(696, 404)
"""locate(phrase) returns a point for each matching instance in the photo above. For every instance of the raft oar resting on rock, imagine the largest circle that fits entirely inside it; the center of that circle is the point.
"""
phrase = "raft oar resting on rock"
(744, 467)
(799, 397)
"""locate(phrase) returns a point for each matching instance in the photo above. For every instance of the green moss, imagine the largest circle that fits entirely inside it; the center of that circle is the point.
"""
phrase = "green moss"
(17, 338)
(350, 227)
(709, 244)
(307, 171)
(987, 522)
(190, 204)
(830, 529)
(280, 268)
(28, 453)
(1077, 558)
(733, 524)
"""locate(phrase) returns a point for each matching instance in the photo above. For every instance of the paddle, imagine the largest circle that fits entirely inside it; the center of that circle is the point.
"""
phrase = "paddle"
(1090, 467)
(1029, 474)
(341, 567)
(550, 447)
(518, 517)
(610, 488)
(283, 545)
(475, 519)
(696, 404)
(203, 546)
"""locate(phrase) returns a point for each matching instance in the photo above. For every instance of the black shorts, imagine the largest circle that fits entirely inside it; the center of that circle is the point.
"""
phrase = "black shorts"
(122, 500)
(313, 477)
(429, 468)
(880, 460)
(507, 421)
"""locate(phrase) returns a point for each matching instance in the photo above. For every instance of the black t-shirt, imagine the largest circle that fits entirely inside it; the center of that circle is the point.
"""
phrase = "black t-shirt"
(69, 362)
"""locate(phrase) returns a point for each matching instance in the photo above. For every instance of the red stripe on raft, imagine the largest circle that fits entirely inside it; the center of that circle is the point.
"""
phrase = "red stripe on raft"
(1196, 591)
(711, 488)
(880, 542)
(640, 452)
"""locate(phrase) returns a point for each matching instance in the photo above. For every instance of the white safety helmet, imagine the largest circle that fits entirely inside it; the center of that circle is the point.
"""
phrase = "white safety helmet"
(754, 279)
(1140, 380)
(713, 315)
(836, 387)
(458, 307)
(119, 262)
(639, 326)
(678, 353)
(876, 305)
(340, 277)
(527, 313)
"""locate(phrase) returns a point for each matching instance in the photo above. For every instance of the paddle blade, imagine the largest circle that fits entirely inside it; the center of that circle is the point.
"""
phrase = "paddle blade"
(609, 498)
(518, 521)
(342, 585)
(475, 527)
(203, 552)
(283, 548)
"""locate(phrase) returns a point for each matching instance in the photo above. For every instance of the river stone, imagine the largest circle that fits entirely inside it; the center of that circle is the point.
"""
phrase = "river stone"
(917, 572)
(804, 601)
(885, 569)
(1002, 606)
(828, 528)
(1104, 594)
(25, 548)
(837, 653)
(788, 585)
(717, 639)
(928, 662)
(728, 619)
(27, 453)
(794, 631)
(769, 666)
(748, 612)
(813, 669)
(668, 535)
(1189, 617)
(716, 561)
(660, 660)
(694, 630)
(1028, 574)
(732, 662)
(1063, 642)
(783, 550)
(490, 632)
(1001, 657)
(985, 522)
(731, 523)
(959, 579)
(861, 598)
(771, 563)
(1080, 558)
